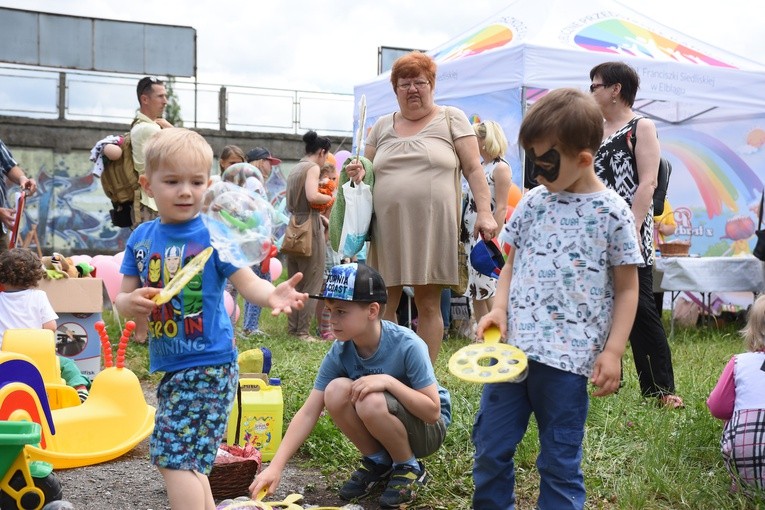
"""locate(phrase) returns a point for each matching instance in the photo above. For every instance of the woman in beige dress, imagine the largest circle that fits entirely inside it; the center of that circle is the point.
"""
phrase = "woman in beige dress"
(302, 191)
(417, 154)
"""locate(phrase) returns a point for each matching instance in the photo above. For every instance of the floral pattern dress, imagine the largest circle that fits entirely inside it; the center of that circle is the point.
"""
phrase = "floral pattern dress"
(615, 165)
(480, 287)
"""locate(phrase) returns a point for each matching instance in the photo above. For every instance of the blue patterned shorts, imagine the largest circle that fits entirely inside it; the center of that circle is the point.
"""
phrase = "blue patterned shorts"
(194, 405)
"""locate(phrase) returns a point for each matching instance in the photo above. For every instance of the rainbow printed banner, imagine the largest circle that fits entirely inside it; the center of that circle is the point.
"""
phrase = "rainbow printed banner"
(714, 178)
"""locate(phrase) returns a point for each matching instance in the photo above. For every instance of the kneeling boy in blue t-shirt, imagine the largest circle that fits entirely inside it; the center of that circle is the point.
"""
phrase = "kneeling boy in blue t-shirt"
(378, 386)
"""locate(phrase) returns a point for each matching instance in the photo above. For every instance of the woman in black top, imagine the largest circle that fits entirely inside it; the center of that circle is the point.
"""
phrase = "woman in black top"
(631, 171)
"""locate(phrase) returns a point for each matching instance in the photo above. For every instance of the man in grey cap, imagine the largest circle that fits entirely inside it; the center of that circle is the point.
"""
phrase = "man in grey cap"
(262, 159)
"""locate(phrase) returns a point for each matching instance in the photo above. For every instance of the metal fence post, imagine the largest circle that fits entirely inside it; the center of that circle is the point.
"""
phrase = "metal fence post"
(296, 112)
(61, 96)
(222, 108)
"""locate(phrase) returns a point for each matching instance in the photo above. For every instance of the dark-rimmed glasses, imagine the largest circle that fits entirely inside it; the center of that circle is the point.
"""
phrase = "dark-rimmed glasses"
(419, 85)
(596, 86)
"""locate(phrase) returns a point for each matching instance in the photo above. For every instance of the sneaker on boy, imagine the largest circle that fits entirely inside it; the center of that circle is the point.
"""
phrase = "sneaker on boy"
(364, 479)
(402, 487)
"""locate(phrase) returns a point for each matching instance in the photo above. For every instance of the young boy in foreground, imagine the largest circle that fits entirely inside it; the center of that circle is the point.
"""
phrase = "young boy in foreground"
(378, 386)
(190, 337)
(567, 297)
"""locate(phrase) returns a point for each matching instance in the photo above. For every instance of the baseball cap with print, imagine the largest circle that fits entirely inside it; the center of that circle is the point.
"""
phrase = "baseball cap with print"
(261, 153)
(354, 282)
(487, 259)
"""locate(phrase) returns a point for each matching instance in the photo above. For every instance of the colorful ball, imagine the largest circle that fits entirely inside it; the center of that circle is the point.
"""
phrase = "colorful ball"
(239, 222)
(246, 176)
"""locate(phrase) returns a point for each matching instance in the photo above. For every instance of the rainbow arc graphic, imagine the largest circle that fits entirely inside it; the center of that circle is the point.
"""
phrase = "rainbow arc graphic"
(615, 36)
(484, 39)
(623, 37)
(721, 176)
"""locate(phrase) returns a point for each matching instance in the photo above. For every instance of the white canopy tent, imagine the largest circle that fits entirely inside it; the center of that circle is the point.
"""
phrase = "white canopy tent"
(547, 44)
(708, 104)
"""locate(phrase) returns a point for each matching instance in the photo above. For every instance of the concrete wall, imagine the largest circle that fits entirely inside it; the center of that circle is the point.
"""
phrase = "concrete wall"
(70, 209)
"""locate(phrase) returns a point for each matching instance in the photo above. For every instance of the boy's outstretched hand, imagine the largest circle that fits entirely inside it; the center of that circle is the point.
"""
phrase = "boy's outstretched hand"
(285, 298)
(606, 374)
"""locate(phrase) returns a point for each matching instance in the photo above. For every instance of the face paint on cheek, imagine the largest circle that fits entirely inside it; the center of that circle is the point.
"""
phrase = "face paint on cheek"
(547, 165)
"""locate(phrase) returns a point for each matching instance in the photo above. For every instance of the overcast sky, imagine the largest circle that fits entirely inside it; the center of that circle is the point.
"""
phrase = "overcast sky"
(331, 45)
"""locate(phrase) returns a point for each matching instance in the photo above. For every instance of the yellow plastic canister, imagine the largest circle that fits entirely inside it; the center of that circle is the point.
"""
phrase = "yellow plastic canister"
(257, 419)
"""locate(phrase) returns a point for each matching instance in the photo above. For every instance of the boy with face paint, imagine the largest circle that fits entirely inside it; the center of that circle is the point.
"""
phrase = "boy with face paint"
(590, 267)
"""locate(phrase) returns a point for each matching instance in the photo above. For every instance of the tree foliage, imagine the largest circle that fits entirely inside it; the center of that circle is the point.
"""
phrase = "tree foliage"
(173, 108)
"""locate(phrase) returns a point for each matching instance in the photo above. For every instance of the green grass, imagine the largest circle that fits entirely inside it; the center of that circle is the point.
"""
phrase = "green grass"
(636, 455)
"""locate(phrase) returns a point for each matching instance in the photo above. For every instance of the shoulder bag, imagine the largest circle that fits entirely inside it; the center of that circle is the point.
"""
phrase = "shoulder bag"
(298, 238)
(662, 180)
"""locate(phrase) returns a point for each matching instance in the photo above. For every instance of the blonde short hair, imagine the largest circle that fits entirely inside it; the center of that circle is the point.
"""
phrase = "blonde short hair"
(177, 144)
(754, 331)
(494, 139)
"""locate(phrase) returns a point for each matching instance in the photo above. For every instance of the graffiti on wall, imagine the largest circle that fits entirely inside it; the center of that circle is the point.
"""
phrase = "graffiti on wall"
(69, 210)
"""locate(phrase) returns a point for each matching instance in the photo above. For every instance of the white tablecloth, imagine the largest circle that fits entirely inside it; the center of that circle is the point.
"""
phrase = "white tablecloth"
(710, 274)
(707, 275)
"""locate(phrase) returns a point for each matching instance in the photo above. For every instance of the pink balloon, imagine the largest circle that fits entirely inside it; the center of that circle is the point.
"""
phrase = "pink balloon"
(118, 257)
(341, 156)
(109, 272)
(275, 269)
(228, 302)
(98, 258)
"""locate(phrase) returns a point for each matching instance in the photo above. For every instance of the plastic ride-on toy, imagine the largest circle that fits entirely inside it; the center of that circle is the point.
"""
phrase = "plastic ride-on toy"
(24, 484)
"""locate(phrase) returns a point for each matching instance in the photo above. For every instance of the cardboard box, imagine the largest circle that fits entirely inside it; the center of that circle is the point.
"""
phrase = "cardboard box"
(78, 303)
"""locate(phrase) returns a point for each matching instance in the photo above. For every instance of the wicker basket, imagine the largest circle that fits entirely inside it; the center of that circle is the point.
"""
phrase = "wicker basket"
(233, 479)
(678, 247)
(675, 248)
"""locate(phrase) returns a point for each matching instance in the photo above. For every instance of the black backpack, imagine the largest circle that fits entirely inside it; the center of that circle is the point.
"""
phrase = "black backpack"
(662, 181)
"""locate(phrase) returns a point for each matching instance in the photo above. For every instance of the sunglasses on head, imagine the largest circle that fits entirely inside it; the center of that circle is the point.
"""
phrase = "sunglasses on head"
(547, 165)
(147, 82)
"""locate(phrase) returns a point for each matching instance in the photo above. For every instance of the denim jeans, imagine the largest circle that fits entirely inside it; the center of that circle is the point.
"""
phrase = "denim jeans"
(559, 401)
(446, 308)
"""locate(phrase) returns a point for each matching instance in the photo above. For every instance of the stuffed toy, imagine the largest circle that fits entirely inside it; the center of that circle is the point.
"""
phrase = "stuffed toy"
(57, 267)
(85, 270)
